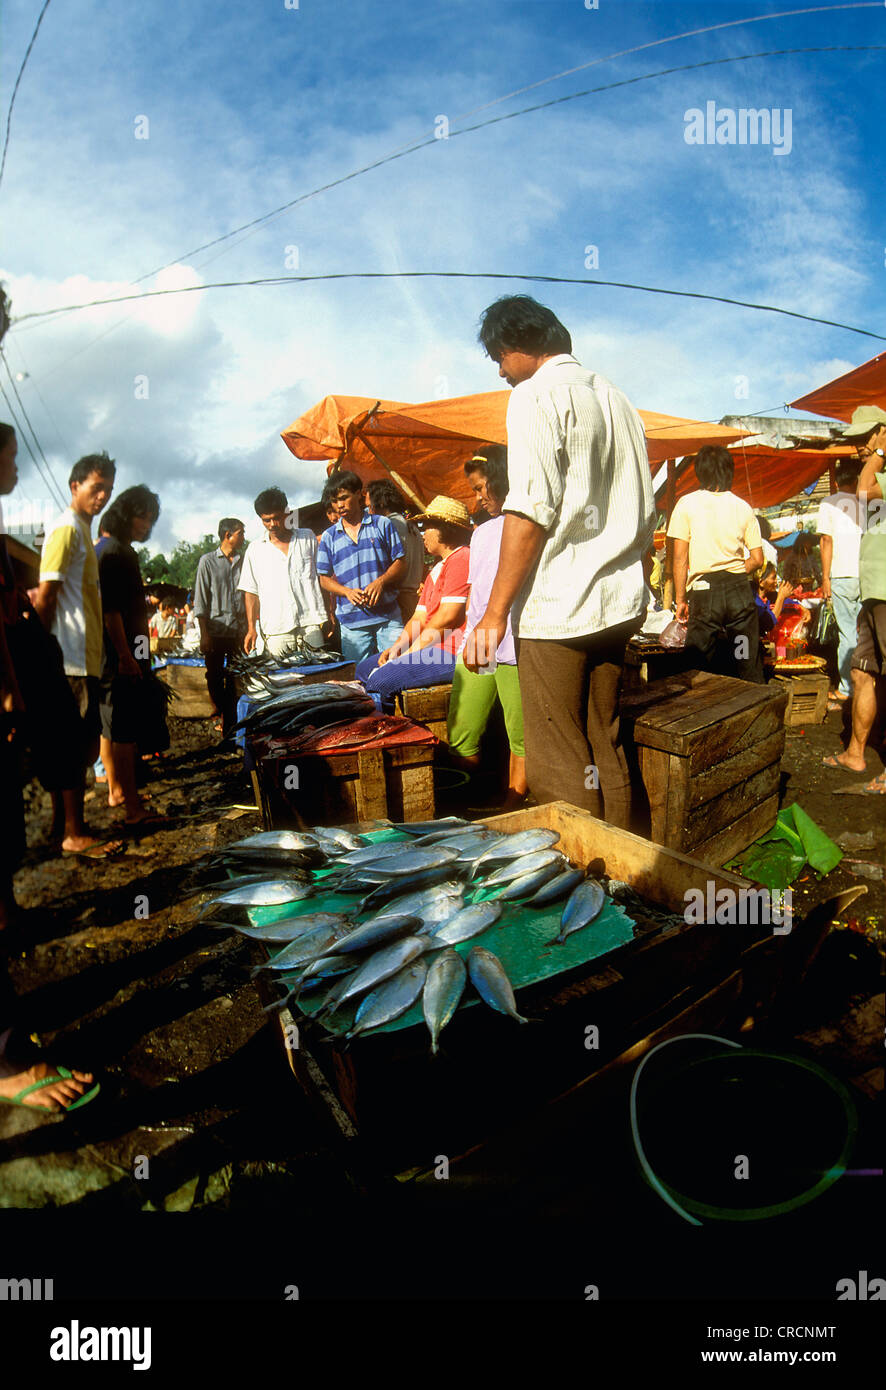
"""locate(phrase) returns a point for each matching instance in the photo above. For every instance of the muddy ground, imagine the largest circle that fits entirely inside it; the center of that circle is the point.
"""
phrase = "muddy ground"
(198, 1109)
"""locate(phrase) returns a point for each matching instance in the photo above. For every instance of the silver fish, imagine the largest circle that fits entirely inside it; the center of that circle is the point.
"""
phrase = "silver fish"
(392, 998)
(443, 990)
(491, 982)
(432, 905)
(369, 854)
(456, 836)
(383, 964)
(372, 935)
(556, 888)
(391, 892)
(343, 838)
(412, 862)
(526, 864)
(309, 947)
(292, 929)
(513, 846)
(526, 884)
(275, 893)
(470, 921)
(275, 839)
(583, 905)
(428, 827)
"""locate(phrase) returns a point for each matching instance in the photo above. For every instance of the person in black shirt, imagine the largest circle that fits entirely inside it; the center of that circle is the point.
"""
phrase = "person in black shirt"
(127, 672)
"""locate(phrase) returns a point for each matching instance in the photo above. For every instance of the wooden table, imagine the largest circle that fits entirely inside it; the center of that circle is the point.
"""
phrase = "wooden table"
(709, 750)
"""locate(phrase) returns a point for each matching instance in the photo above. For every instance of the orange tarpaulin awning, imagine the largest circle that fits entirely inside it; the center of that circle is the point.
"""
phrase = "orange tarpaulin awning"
(765, 476)
(864, 385)
(427, 445)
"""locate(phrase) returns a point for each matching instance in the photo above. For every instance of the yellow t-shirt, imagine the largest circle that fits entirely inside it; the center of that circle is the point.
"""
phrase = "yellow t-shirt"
(69, 557)
(717, 525)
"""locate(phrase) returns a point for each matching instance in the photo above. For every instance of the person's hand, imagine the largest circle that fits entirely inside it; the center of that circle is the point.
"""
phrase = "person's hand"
(11, 704)
(786, 589)
(826, 588)
(129, 667)
(249, 640)
(355, 596)
(483, 642)
(328, 630)
(205, 645)
(681, 612)
(385, 655)
(373, 593)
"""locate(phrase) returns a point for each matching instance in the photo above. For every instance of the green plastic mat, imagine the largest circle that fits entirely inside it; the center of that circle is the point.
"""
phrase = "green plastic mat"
(521, 939)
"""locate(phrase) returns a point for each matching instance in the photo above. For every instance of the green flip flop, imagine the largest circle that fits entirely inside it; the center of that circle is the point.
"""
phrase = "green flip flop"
(62, 1074)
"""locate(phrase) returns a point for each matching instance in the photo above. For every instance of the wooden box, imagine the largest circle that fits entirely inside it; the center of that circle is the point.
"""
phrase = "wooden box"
(709, 750)
(807, 697)
(405, 1107)
(429, 707)
(395, 783)
(192, 696)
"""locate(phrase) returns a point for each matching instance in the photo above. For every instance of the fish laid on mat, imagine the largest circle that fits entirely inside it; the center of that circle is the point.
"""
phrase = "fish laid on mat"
(427, 827)
(515, 846)
(391, 999)
(524, 885)
(432, 905)
(382, 965)
(276, 893)
(458, 835)
(582, 907)
(469, 921)
(556, 888)
(292, 929)
(275, 839)
(442, 993)
(411, 861)
(387, 892)
(490, 980)
(374, 853)
(525, 864)
(372, 935)
(310, 946)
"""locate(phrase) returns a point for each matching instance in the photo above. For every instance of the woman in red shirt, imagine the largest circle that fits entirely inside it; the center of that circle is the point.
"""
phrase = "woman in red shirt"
(424, 653)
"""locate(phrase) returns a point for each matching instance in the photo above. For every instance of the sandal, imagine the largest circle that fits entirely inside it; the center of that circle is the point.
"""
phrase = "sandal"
(831, 762)
(61, 1074)
(102, 849)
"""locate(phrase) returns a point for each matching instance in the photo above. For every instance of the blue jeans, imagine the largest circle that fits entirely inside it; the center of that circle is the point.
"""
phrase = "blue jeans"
(432, 666)
(357, 643)
(846, 601)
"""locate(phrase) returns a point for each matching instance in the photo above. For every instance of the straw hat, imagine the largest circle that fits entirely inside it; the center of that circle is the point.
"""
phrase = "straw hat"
(445, 509)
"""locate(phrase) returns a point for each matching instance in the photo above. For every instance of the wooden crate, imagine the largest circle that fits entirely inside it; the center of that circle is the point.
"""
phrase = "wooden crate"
(709, 750)
(405, 1107)
(807, 697)
(189, 684)
(429, 707)
(394, 783)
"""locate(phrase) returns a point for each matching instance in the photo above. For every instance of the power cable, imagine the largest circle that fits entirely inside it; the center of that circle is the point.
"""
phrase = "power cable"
(59, 495)
(449, 275)
(22, 434)
(17, 81)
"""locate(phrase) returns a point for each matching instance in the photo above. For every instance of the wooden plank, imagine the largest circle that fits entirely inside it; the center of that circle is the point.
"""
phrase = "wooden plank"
(372, 797)
(731, 840)
(722, 723)
(726, 808)
(727, 740)
(666, 787)
(731, 772)
(740, 695)
(655, 712)
(663, 875)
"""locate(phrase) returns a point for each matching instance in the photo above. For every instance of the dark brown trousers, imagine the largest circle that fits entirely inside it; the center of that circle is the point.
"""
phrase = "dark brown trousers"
(570, 691)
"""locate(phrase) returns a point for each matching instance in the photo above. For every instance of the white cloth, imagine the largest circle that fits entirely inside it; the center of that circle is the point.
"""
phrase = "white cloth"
(287, 585)
(578, 467)
(282, 642)
(841, 516)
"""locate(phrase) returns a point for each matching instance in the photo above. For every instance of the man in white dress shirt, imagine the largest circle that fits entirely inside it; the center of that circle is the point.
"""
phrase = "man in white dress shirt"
(579, 518)
(284, 601)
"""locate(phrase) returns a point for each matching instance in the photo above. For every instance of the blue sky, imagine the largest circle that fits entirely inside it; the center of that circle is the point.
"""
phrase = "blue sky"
(250, 106)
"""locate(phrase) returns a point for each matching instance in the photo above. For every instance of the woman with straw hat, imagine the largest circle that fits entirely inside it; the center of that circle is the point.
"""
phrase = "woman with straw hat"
(424, 652)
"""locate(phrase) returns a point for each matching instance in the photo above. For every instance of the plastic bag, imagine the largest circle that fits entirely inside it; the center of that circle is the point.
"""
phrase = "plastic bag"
(826, 625)
(674, 635)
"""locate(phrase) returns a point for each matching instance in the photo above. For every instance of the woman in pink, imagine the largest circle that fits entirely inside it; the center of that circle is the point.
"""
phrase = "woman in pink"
(424, 653)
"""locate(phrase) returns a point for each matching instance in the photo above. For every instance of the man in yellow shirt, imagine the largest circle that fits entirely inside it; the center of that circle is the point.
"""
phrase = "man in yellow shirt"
(711, 529)
(69, 604)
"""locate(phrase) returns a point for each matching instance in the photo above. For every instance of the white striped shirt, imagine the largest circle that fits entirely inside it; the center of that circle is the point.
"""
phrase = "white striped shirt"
(577, 466)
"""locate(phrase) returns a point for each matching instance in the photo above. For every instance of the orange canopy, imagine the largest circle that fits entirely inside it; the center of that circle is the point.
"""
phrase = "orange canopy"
(765, 476)
(426, 446)
(864, 385)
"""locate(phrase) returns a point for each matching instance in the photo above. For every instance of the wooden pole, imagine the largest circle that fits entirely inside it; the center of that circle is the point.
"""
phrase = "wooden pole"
(402, 485)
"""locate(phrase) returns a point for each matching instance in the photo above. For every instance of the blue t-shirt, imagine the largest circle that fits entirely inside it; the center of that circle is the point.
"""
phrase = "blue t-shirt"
(358, 563)
(765, 615)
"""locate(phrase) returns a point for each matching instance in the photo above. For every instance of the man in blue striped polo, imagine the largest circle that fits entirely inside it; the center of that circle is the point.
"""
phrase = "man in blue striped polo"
(361, 561)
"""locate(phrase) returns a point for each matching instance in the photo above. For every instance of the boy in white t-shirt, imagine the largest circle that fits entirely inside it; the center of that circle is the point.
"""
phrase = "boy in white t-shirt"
(840, 519)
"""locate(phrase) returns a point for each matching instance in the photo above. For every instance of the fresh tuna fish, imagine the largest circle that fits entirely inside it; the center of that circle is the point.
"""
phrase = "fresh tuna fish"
(372, 935)
(584, 904)
(275, 839)
(370, 854)
(276, 893)
(428, 827)
(514, 846)
(391, 999)
(526, 864)
(457, 836)
(442, 994)
(470, 921)
(388, 892)
(345, 839)
(383, 964)
(556, 888)
(291, 929)
(414, 861)
(491, 982)
(308, 947)
(433, 905)
(526, 884)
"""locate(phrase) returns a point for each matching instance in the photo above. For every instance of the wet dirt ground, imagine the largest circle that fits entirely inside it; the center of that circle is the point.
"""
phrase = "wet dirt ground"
(198, 1109)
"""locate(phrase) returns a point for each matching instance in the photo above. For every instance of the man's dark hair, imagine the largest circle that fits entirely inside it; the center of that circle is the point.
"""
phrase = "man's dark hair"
(229, 524)
(847, 472)
(765, 528)
(6, 433)
(764, 573)
(451, 533)
(714, 468)
(384, 497)
(492, 461)
(518, 323)
(132, 502)
(342, 480)
(270, 501)
(92, 463)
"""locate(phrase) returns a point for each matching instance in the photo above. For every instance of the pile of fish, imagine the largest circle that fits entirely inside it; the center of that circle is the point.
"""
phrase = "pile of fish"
(411, 908)
(297, 708)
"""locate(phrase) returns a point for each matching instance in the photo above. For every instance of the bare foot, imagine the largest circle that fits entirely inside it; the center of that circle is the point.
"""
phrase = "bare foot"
(57, 1096)
(121, 799)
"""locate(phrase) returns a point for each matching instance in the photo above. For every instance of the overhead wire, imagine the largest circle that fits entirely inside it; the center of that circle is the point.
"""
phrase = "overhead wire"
(48, 478)
(16, 86)
(22, 434)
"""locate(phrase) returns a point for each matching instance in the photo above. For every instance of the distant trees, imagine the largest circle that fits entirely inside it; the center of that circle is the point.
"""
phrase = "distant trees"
(181, 566)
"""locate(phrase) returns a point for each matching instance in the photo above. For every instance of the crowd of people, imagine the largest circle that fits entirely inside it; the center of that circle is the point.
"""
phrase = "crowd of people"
(531, 608)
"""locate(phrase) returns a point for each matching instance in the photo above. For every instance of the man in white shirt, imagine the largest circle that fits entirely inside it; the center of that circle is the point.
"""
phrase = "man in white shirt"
(711, 530)
(578, 520)
(284, 601)
(840, 522)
